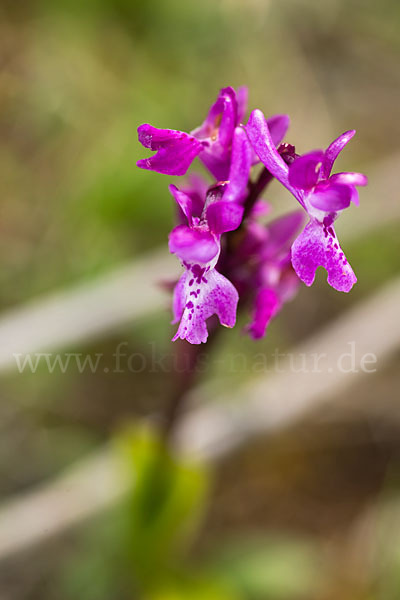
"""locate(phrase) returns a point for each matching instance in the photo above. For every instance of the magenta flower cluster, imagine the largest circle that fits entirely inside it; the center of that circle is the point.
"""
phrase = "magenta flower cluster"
(228, 254)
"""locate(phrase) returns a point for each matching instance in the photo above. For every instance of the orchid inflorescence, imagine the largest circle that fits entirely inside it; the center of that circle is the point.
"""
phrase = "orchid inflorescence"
(227, 253)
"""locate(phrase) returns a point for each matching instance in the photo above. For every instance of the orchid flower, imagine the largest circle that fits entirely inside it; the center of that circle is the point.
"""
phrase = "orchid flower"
(277, 281)
(202, 291)
(263, 272)
(322, 195)
(213, 142)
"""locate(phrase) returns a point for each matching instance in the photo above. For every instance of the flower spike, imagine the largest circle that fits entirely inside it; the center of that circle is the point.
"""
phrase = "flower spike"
(229, 257)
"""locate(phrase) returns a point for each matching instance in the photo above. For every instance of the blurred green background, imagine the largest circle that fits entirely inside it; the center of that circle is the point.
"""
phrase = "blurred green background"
(76, 79)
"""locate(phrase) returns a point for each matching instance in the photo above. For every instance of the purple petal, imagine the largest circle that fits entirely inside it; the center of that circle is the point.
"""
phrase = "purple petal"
(263, 145)
(221, 119)
(217, 163)
(281, 232)
(266, 305)
(304, 171)
(197, 185)
(224, 216)
(240, 167)
(218, 130)
(318, 246)
(354, 196)
(260, 209)
(350, 178)
(254, 238)
(242, 94)
(331, 197)
(333, 151)
(262, 142)
(228, 116)
(288, 284)
(175, 150)
(192, 245)
(278, 126)
(202, 296)
(197, 191)
(184, 201)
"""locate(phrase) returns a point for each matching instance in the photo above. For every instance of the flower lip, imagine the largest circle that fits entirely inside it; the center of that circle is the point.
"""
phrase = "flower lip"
(199, 295)
(318, 246)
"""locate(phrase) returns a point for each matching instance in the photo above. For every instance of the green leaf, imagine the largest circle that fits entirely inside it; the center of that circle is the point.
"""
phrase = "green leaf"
(162, 512)
(269, 567)
(195, 588)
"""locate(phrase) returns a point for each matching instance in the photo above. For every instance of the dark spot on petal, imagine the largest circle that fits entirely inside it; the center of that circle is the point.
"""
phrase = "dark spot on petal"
(198, 272)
